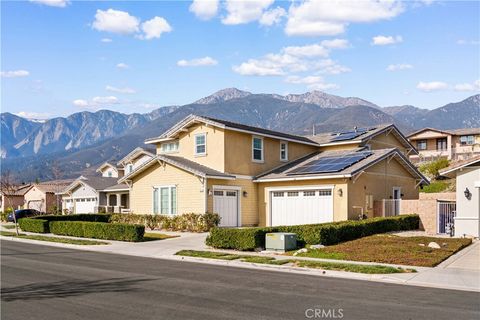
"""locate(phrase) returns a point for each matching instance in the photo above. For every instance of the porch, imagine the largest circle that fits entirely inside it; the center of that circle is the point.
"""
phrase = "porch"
(113, 202)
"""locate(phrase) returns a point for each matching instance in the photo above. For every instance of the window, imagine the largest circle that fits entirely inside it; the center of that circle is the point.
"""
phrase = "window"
(129, 168)
(165, 200)
(466, 140)
(231, 193)
(109, 174)
(283, 151)
(217, 193)
(308, 193)
(169, 147)
(201, 144)
(292, 194)
(422, 144)
(278, 194)
(442, 144)
(257, 149)
(324, 192)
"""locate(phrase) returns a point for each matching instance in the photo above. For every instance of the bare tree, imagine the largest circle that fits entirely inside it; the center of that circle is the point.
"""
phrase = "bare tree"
(56, 170)
(9, 189)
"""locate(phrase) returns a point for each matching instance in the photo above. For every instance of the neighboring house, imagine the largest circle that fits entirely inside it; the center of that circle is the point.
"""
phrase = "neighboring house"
(135, 159)
(43, 196)
(109, 170)
(14, 198)
(458, 144)
(92, 194)
(254, 176)
(467, 174)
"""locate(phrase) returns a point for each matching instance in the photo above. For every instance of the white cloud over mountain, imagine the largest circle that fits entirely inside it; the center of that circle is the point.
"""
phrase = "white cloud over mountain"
(432, 86)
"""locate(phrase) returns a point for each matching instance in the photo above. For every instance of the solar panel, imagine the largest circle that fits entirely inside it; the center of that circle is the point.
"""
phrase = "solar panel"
(330, 164)
(348, 135)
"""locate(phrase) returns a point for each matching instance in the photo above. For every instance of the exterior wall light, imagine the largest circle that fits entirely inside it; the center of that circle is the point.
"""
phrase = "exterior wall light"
(245, 193)
(210, 192)
(467, 194)
(340, 192)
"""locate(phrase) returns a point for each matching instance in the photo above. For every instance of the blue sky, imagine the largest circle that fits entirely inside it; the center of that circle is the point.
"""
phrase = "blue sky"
(60, 57)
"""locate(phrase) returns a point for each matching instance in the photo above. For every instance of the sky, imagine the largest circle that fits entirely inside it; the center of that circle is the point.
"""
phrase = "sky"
(59, 57)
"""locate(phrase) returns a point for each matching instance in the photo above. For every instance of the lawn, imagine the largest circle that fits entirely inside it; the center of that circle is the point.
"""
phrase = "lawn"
(52, 239)
(9, 226)
(151, 236)
(392, 249)
(338, 266)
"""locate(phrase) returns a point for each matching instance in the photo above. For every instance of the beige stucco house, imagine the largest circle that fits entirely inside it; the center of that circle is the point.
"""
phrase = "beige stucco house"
(253, 176)
(42, 196)
(13, 198)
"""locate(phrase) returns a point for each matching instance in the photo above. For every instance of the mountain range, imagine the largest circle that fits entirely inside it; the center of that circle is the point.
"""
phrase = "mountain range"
(80, 142)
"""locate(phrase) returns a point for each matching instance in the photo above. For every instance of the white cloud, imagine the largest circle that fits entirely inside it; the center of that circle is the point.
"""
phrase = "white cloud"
(116, 21)
(321, 18)
(126, 90)
(122, 65)
(385, 40)
(33, 115)
(399, 66)
(312, 82)
(154, 28)
(336, 43)
(240, 12)
(14, 74)
(432, 86)
(52, 3)
(80, 103)
(96, 102)
(313, 50)
(475, 86)
(468, 42)
(105, 100)
(328, 66)
(255, 67)
(273, 16)
(205, 61)
(106, 40)
(204, 9)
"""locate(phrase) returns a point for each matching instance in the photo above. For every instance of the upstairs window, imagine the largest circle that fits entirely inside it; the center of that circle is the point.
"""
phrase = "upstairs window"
(129, 168)
(466, 140)
(422, 145)
(169, 147)
(201, 144)
(110, 173)
(283, 151)
(257, 149)
(442, 144)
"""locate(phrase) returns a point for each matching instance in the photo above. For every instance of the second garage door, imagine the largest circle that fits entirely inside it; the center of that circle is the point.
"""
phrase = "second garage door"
(294, 207)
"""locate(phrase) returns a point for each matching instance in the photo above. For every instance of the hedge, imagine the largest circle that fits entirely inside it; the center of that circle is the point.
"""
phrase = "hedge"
(192, 222)
(34, 225)
(325, 233)
(98, 230)
(87, 217)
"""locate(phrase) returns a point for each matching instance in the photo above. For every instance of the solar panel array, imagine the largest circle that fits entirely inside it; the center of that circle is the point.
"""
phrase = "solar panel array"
(330, 164)
(348, 135)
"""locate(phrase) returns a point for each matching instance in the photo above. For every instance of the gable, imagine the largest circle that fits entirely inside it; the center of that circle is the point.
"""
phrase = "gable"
(83, 190)
(386, 140)
(427, 134)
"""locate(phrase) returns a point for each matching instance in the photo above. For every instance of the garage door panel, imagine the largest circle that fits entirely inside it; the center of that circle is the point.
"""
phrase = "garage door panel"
(225, 204)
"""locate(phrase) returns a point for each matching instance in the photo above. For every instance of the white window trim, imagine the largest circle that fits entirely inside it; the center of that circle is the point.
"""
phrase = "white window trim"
(195, 144)
(170, 186)
(286, 151)
(170, 151)
(263, 148)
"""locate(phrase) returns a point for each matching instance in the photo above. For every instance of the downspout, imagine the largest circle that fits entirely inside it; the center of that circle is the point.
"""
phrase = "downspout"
(205, 191)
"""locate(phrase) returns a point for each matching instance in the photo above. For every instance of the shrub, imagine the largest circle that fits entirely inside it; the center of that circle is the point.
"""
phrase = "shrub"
(431, 169)
(192, 222)
(325, 233)
(3, 216)
(87, 217)
(34, 225)
(99, 230)
(434, 187)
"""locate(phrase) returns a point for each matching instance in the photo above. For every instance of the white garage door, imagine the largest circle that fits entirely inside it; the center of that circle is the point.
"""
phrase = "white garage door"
(294, 207)
(85, 205)
(225, 203)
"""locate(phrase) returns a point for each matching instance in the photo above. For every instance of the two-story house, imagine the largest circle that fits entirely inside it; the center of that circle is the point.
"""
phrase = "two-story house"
(432, 144)
(253, 176)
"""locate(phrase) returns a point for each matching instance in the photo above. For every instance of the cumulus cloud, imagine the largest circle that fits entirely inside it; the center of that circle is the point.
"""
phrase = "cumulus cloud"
(386, 40)
(14, 74)
(240, 12)
(106, 40)
(80, 103)
(199, 62)
(432, 86)
(475, 86)
(154, 28)
(204, 9)
(126, 90)
(52, 3)
(336, 44)
(273, 16)
(122, 65)
(323, 18)
(399, 66)
(115, 21)
(96, 102)
(313, 50)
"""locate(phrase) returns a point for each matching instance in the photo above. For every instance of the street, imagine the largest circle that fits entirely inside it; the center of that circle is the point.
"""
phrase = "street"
(42, 282)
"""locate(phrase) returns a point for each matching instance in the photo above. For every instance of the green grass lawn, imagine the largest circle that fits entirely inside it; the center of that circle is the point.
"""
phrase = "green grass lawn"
(53, 239)
(392, 249)
(350, 267)
(9, 226)
(152, 236)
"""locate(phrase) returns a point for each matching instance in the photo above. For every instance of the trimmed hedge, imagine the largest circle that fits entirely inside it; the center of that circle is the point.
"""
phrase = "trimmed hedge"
(87, 217)
(98, 230)
(325, 233)
(34, 225)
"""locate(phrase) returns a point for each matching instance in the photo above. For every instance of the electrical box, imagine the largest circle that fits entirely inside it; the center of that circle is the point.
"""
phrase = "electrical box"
(280, 241)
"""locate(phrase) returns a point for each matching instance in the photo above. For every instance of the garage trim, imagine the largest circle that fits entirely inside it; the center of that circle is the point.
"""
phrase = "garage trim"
(269, 191)
(239, 200)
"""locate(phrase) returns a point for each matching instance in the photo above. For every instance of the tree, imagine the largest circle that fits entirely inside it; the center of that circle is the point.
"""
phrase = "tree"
(8, 189)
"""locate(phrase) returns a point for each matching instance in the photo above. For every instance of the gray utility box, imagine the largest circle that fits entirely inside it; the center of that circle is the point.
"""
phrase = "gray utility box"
(280, 241)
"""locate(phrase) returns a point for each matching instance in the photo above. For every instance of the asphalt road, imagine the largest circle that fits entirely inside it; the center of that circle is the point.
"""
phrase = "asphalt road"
(42, 282)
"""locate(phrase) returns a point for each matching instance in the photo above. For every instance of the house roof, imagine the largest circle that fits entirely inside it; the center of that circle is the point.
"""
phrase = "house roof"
(134, 153)
(20, 190)
(95, 182)
(187, 121)
(459, 165)
(455, 132)
(282, 173)
(53, 186)
(182, 163)
(106, 164)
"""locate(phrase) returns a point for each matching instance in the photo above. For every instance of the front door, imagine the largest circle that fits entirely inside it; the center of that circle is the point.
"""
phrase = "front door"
(225, 204)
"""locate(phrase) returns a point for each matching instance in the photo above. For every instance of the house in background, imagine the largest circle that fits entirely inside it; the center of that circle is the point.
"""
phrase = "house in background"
(432, 144)
(14, 198)
(254, 176)
(135, 158)
(42, 196)
(110, 170)
(467, 174)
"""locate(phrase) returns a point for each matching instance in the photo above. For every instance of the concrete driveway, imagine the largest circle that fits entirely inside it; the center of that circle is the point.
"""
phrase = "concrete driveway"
(467, 259)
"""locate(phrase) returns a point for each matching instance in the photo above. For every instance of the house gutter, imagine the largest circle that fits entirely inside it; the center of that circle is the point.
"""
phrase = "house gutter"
(338, 176)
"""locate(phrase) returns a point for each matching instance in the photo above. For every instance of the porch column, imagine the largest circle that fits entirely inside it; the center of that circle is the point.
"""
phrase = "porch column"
(108, 199)
(119, 201)
(449, 147)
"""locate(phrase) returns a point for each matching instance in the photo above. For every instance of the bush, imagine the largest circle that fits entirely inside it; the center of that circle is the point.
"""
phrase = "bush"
(192, 222)
(98, 230)
(87, 217)
(325, 233)
(3, 216)
(434, 187)
(431, 169)
(34, 225)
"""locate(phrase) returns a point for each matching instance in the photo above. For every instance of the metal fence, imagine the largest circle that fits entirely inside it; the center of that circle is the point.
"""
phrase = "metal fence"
(446, 211)
(391, 207)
